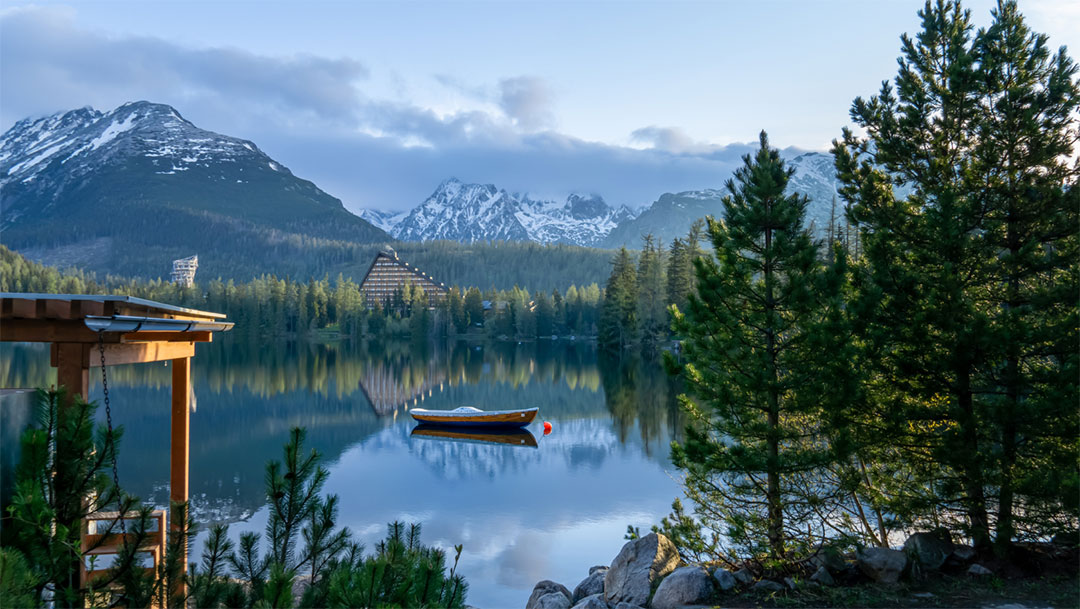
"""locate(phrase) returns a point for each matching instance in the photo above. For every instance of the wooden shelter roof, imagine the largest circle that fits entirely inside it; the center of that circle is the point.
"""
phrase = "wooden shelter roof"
(23, 305)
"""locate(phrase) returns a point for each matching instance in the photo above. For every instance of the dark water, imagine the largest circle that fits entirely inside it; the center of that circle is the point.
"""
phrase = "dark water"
(523, 513)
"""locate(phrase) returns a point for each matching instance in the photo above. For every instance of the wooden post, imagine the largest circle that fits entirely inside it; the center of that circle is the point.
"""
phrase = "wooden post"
(179, 452)
(73, 368)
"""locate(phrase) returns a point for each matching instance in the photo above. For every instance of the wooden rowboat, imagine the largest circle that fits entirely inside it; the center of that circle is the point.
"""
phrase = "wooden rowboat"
(483, 435)
(467, 416)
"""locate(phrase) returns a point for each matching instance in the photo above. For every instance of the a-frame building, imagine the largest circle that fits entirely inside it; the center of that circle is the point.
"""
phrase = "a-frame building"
(388, 274)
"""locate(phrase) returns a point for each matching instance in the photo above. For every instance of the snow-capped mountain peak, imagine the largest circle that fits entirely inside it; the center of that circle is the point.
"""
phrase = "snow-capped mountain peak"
(465, 212)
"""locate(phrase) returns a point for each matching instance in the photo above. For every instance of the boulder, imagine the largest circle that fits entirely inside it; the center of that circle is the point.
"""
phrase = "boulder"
(553, 600)
(593, 584)
(881, 564)
(964, 554)
(543, 588)
(625, 605)
(597, 568)
(685, 586)
(640, 563)
(791, 583)
(743, 576)
(929, 550)
(725, 581)
(823, 577)
(593, 601)
(830, 558)
(979, 571)
(766, 585)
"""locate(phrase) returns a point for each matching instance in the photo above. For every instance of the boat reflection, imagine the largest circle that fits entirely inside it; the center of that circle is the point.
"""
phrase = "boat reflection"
(515, 437)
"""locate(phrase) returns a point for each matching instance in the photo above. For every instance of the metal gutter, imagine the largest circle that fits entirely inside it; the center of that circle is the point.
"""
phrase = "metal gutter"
(129, 323)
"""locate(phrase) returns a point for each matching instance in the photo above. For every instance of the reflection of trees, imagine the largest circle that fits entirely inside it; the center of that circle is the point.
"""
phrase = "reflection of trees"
(637, 390)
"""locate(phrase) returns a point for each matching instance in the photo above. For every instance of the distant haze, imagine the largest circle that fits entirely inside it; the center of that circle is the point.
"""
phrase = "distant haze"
(378, 103)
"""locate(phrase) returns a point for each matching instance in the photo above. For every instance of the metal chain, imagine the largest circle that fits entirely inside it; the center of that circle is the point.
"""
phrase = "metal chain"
(109, 437)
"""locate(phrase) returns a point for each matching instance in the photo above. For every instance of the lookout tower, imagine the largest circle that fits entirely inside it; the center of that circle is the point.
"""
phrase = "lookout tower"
(183, 271)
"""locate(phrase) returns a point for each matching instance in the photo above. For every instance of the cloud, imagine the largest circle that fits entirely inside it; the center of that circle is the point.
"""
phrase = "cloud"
(313, 115)
(528, 101)
(50, 63)
(671, 139)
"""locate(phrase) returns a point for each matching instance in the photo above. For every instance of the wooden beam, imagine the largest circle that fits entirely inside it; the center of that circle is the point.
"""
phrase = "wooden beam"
(73, 368)
(140, 353)
(183, 337)
(50, 331)
(75, 331)
(180, 451)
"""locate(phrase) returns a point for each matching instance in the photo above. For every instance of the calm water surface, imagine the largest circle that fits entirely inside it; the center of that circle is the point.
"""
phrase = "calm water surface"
(523, 513)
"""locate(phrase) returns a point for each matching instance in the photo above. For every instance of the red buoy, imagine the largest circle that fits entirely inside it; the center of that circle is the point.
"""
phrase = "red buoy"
(547, 427)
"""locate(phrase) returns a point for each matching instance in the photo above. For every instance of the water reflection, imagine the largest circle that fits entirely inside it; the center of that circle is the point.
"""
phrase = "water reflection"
(517, 437)
(549, 508)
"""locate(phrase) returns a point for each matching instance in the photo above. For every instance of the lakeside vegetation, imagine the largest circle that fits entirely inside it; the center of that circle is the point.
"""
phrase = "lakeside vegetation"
(925, 379)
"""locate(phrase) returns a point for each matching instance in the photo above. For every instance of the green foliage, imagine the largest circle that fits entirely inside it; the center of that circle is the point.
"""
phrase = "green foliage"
(18, 583)
(968, 299)
(401, 573)
(757, 362)
(619, 323)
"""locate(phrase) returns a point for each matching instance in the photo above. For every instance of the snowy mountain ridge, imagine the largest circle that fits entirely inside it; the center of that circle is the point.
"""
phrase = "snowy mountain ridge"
(463, 212)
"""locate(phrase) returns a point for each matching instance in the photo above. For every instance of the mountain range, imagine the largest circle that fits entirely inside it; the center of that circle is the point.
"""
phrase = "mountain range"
(467, 213)
(129, 190)
(481, 212)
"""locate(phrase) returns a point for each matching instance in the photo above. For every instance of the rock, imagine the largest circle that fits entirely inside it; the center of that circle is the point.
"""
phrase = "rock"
(979, 571)
(881, 564)
(725, 581)
(625, 605)
(553, 600)
(830, 558)
(768, 586)
(922, 595)
(963, 554)
(593, 601)
(685, 586)
(597, 568)
(744, 577)
(929, 550)
(543, 588)
(593, 584)
(640, 563)
(823, 577)
(790, 583)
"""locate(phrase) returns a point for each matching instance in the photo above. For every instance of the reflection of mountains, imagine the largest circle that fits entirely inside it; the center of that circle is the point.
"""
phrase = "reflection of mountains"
(250, 395)
(577, 445)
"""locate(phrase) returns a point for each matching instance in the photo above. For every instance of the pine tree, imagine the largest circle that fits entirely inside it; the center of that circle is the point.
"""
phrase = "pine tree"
(619, 316)
(652, 297)
(1027, 129)
(751, 342)
(969, 295)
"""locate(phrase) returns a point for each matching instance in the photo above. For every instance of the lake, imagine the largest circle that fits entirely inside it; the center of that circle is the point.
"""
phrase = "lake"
(523, 513)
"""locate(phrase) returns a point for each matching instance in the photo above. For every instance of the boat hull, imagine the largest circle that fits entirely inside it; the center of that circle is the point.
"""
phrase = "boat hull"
(507, 418)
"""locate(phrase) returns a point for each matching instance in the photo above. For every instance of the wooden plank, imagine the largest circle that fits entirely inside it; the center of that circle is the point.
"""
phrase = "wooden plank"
(89, 307)
(50, 331)
(180, 449)
(138, 353)
(58, 309)
(73, 369)
(185, 337)
(24, 308)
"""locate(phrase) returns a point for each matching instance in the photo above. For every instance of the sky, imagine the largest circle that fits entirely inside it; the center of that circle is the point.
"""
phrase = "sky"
(379, 102)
